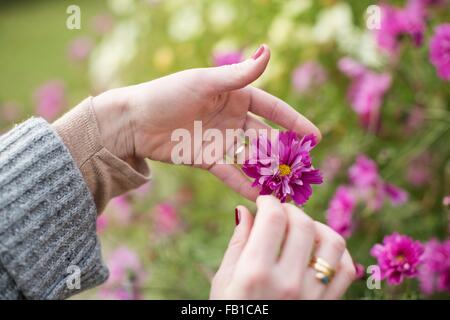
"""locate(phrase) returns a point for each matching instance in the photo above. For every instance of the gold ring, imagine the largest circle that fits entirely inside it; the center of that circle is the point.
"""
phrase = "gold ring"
(324, 271)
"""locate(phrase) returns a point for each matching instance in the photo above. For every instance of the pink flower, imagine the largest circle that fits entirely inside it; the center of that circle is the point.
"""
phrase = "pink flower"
(126, 275)
(351, 68)
(440, 50)
(50, 99)
(80, 48)
(360, 271)
(366, 91)
(371, 187)
(340, 211)
(434, 273)
(446, 201)
(331, 166)
(398, 22)
(364, 173)
(388, 35)
(429, 3)
(397, 195)
(227, 57)
(284, 167)
(142, 191)
(307, 76)
(413, 21)
(166, 219)
(102, 222)
(122, 209)
(398, 257)
(119, 294)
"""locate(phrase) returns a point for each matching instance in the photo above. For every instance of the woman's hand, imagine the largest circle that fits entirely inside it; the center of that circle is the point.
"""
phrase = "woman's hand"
(138, 121)
(269, 258)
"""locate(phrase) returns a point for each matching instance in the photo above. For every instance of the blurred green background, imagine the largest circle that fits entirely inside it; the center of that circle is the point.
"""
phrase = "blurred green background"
(178, 227)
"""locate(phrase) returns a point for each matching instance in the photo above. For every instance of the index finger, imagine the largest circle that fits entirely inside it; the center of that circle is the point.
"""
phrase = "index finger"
(274, 109)
(268, 231)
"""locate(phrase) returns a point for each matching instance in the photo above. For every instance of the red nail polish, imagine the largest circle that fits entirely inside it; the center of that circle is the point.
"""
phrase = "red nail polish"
(258, 52)
(237, 216)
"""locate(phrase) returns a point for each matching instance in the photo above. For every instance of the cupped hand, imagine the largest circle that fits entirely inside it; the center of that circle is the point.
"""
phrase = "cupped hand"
(269, 258)
(144, 116)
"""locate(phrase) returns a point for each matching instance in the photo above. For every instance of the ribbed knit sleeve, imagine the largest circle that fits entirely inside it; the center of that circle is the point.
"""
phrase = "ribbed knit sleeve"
(47, 218)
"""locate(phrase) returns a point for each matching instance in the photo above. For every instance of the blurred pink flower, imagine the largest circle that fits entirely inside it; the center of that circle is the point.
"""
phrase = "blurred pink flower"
(366, 91)
(122, 209)
(126, 275)
(50, 99)
(119, 294)
(419, 170)
(102, 222)
(370, 186)
(102, 23)
(227, 57)
(330, 166)
(166, 219)
(429, 3)
(308, 75)
(360, 271)
(440, 50)
(434, 273)
(398, 257)
(351, 68)
(364, 172)
(121, 263)
(388, 34)
(142, 191)
(80, 48)
(397, 195)
(398, 22)
(340, 211)
(446, 201)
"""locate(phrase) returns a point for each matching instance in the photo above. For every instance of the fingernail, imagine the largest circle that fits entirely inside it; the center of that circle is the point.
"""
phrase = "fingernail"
(237, 216)
(258, 52)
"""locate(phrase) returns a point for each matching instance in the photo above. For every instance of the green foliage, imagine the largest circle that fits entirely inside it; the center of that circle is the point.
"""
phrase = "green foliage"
(33, 42)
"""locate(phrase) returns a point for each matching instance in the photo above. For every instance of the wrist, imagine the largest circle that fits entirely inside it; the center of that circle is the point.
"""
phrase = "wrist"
(115, 123)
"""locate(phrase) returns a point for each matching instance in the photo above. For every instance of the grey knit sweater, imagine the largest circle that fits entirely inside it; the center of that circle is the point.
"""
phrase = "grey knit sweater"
(47, 218)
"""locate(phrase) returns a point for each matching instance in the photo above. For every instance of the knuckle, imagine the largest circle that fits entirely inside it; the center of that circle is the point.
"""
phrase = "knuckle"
(299, 219)
(237, 71)
(290, 291)
(335, 239)
(276, 217)
(258, 276)
(306, 224)
(338, 242)
(264, 199)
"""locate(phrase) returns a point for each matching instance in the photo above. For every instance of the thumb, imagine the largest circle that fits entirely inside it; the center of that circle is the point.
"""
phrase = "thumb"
(244, 220)
(239, 75)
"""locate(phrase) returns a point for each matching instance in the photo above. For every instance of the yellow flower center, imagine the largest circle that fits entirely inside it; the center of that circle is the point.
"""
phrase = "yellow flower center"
(284, 170)
(400, 258)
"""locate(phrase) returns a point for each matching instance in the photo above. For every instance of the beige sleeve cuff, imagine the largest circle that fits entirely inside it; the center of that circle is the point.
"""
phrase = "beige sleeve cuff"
(105, 174)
